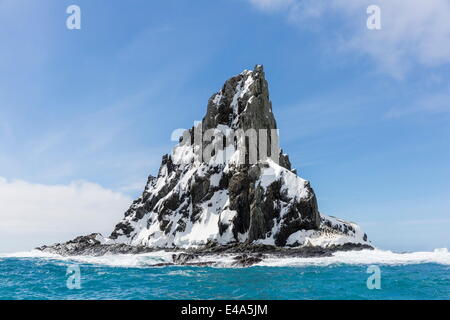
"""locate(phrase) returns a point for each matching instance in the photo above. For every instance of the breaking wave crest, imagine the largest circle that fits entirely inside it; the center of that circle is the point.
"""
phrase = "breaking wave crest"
(364, 257)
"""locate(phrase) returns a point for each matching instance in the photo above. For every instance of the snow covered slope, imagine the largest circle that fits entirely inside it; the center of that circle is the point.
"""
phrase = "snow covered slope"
(233, 195)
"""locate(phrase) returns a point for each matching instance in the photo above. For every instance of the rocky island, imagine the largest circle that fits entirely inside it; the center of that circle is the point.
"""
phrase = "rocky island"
(226, 189)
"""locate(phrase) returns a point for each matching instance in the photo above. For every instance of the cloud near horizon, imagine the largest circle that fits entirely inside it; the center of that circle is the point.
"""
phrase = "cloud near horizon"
(32, 212)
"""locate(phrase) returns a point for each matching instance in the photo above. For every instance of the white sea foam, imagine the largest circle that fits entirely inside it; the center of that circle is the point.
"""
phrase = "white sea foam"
(364, 257)
(440, 256)
(119, 260)
(29, 254)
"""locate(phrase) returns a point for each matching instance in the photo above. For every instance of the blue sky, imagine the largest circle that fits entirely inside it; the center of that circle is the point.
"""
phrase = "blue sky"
(363, 114)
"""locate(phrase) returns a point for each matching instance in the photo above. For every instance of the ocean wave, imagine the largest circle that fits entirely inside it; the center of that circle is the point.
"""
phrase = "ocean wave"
(119, 260)
(366, 257)
(363, 257)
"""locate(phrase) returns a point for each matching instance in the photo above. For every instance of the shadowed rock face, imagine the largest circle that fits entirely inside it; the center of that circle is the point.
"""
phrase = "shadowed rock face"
(251, 110)
(244, 209)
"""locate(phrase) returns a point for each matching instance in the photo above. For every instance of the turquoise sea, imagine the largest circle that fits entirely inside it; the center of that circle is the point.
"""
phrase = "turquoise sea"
(410, 276)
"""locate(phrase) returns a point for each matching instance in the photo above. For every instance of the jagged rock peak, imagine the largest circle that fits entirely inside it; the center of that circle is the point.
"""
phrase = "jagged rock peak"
(220, 201)
(198, 202)
(243, 102)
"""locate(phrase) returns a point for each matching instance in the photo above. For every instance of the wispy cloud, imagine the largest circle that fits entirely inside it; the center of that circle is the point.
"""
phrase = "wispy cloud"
(431, 104)
(416, 32)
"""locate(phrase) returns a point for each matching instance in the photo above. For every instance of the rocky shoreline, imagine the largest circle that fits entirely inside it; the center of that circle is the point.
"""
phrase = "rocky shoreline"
(242, 254)
(226, 191)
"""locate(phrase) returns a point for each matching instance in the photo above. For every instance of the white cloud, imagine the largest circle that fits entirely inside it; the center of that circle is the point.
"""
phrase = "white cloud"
(414, 32)
(431, 104)
(36, 214)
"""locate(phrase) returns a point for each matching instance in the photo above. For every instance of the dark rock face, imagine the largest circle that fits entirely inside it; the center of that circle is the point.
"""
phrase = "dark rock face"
(227, 199)
(254, 108)
(183, 258)
(246, 261)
